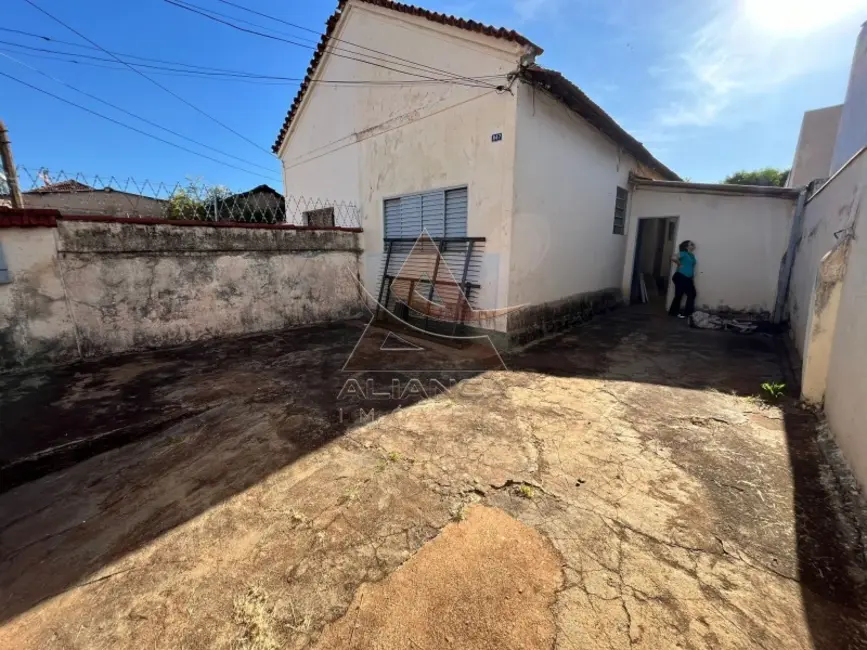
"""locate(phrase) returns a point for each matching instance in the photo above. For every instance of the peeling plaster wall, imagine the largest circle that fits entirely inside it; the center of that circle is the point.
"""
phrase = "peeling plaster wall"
(35, 324)
(846, 391)
(740, 243)
(828, 211)
(108, 287)
(822, 322)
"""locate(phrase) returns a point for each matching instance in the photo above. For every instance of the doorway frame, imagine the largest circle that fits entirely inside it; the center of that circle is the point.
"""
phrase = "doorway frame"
(631, 251)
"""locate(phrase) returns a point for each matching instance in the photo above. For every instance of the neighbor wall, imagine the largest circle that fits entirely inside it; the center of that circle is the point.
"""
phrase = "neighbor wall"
(740, 239)
(845, 403)
(102, 286)
(827, 307)
(827, 212)
(35, 322)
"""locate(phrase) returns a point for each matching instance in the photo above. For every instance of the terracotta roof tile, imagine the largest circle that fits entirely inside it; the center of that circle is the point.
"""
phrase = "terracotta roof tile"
(443, 19)
(62, 186)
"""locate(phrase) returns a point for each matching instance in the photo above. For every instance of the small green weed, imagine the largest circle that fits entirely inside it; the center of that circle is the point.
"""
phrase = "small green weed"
(526, 491)
(773, 390)
(394, 457)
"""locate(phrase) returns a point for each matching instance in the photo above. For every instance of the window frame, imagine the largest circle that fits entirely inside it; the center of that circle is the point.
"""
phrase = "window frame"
(620, 211)
(442, 190)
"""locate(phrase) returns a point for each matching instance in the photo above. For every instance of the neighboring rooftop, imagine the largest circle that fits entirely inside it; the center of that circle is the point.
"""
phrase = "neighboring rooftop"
(64, 187)
(718, 188)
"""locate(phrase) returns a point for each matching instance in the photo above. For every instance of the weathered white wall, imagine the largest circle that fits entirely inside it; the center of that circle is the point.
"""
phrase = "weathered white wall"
(846, 392)
(740, 243)
(828, 211)
(366, 144)
(815, 146)
(108, 287)
(852, 134)
(822, 322)
(35, 324)
(566, 179)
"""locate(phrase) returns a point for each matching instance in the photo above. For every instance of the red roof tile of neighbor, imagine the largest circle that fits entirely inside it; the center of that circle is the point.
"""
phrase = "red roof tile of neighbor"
(62, 186)
(443, 19)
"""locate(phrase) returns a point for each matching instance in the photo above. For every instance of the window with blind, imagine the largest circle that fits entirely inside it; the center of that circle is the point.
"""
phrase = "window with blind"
(443, 213)
(620, 211)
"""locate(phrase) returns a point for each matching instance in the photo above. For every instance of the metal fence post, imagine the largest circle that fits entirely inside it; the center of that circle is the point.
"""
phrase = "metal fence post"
(9, 167)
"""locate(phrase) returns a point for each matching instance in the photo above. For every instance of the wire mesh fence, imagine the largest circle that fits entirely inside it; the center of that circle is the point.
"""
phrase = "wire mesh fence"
(193, 199)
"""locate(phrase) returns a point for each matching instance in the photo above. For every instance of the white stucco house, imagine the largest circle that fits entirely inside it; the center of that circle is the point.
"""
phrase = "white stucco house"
(459, 131)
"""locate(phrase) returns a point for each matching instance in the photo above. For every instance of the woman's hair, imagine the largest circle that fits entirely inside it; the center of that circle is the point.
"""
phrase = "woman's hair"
(684, 245)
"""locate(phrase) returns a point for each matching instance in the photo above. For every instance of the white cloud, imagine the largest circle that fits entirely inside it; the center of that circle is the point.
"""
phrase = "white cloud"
(749, 50)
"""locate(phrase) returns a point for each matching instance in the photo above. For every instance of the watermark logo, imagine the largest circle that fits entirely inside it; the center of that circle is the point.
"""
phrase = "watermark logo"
(424, 335)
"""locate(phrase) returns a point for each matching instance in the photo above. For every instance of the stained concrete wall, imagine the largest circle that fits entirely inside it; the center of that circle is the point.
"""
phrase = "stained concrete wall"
(35, 322)
(102, 287)
(828, 211)
(740, 239)
(846, 391)
(827, 306)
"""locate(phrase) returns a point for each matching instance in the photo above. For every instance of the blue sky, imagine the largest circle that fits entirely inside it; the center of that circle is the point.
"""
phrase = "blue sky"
(709, 87)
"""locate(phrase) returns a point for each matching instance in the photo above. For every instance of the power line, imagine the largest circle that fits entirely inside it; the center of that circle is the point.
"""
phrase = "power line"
(284, 40)
(393, 59)
(223, 73)
(130, 113)
(168, 73)
(153, 81)
(131, 128)
(334, 38)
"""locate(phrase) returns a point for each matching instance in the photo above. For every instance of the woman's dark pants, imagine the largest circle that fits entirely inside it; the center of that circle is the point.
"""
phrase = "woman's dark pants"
(683, 286)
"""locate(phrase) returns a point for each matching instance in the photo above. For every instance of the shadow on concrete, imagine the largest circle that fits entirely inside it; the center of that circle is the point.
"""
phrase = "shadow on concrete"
(211, 420)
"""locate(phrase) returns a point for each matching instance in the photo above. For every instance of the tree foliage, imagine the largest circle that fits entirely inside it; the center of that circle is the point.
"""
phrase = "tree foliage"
(769, 176)
(196, 201)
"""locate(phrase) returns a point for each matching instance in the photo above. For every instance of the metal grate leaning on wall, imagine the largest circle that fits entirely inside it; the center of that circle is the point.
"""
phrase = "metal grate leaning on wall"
(440, 215)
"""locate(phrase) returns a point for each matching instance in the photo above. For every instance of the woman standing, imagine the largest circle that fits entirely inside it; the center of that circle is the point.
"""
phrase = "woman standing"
(684, 280)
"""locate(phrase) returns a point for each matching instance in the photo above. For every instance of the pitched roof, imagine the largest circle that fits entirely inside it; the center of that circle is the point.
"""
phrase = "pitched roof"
(63, 187)
(259, 189)
(573, 97)
(433, 16)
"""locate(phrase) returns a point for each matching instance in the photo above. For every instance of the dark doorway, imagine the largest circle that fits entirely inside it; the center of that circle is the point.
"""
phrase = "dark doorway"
(651, 270)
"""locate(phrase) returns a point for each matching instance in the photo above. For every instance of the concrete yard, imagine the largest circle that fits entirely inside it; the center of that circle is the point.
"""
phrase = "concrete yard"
(618, 486)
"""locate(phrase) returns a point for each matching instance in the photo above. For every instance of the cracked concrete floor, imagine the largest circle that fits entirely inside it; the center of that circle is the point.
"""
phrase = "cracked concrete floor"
(617, 487)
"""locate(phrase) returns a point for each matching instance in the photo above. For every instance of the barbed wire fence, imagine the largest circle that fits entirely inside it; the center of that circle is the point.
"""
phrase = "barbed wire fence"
(190, 200)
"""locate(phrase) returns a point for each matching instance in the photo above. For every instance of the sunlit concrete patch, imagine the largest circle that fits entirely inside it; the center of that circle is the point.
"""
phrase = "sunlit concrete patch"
(487, 582)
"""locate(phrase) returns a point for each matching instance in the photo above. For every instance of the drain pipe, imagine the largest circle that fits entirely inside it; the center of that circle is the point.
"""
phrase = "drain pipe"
(789, 260)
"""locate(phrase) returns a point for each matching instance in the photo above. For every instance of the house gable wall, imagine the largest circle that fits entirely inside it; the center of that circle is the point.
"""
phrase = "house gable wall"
(365, 144)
